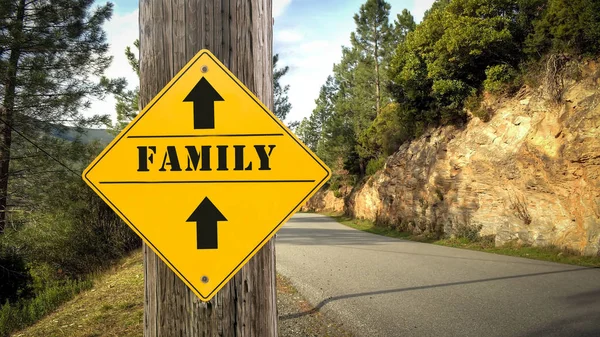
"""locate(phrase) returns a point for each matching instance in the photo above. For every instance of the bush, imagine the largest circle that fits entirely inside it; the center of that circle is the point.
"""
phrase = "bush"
(466, 231)
(26, 311)
(67, 233)
(500, 79)
(14, 276)
(474, 103)
(75, 232)
(335, 182)
(450, 96)
(374, 165)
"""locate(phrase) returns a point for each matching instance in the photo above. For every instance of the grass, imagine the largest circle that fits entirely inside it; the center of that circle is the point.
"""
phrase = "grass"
(368, 226)
(550, 253)
(112, 307)
(26, 312)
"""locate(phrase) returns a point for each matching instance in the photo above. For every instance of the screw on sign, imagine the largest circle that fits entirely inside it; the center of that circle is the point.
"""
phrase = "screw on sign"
(205, 150)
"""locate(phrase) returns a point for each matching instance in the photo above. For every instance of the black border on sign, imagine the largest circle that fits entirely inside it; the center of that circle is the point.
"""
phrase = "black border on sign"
(252, 252)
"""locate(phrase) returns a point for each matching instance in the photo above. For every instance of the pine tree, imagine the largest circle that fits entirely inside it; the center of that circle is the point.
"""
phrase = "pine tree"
(308, 132)
(313, 130)
(373, 39)
(571, 27)
(404, 24)
(323, 112)
(50, 50)
(281, 105)
(127, 106)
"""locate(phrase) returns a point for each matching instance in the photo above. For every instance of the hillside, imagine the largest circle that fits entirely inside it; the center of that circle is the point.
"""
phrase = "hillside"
(88, 135)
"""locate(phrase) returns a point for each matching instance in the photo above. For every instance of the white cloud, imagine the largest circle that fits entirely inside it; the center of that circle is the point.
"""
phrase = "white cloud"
(419, 8)
(279, 7)
(288, 36)
(121, 31)
(310, 63)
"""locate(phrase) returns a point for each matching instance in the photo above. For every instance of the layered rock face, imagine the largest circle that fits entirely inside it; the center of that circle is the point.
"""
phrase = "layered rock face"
(530, 174)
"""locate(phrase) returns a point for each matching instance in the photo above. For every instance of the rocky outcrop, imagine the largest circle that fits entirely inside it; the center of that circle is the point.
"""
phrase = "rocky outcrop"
(325, 201)
(531, 174)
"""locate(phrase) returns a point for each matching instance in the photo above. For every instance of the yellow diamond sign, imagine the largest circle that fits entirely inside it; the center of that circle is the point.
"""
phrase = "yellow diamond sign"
(206, 174)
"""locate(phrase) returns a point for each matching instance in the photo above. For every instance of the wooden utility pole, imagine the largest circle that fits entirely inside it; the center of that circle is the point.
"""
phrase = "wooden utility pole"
(239, 34)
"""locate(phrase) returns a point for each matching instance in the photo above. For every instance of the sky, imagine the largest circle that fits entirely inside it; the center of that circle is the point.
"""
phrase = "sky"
(308, 36)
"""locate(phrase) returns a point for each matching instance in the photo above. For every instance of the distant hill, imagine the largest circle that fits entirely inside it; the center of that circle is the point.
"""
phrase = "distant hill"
(88, 135)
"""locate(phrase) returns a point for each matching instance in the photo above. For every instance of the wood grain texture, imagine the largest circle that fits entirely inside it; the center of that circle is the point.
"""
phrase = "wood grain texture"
(239, 34)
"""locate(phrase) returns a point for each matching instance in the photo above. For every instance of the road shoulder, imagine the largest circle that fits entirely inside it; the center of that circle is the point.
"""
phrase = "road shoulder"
(297, 318)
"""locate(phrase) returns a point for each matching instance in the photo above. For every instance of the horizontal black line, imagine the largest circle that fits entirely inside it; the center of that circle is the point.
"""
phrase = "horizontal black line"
(204, 136)
(207, 182)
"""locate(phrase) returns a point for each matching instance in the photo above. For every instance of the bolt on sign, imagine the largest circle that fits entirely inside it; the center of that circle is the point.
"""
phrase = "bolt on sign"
(206, 174)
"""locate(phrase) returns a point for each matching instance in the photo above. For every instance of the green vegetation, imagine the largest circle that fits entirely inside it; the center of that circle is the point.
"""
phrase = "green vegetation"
(398, 79)
(369, 226)
(55, 232)
(127, 106)
(549, 253)
(468, 238)
(112, 304)
(28, 311)
(48, 254)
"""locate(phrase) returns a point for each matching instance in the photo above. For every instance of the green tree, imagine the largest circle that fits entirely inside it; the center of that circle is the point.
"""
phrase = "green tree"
(444, 60)
(280, 101)
(373, 38)
(322, 114)
(313, 130)
(308, 133)
(127, 106)
(49, 53)
(404, 24)
(354, 108)
(571, 26)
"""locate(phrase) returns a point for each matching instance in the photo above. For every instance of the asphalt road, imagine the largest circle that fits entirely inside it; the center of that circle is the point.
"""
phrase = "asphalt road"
(379, 286)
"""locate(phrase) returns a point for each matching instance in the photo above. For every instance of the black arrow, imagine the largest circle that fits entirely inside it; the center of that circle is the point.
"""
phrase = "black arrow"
(206, 216)
(203, 96)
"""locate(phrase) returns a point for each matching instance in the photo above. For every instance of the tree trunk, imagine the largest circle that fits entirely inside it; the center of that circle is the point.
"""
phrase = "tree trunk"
(377, 95)
(6, 114)
(239, 33)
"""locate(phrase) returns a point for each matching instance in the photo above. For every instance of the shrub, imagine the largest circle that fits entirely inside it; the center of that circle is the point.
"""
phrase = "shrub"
(335, 182)
(72, 233)
(500, 78)
(374, 165)
(14, 276)
(26, 311)
(473, 103)
(467, 231)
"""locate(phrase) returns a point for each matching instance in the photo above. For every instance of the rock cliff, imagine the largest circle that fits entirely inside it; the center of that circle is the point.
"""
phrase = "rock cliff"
(531, 174)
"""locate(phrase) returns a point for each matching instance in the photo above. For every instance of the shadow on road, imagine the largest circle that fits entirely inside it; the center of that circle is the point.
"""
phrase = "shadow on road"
(586, 298)
(576, 325)
(580, 297)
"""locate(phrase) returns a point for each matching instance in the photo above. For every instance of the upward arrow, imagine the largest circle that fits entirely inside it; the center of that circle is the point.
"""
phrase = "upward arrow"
(203, 96)
(206, 216)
